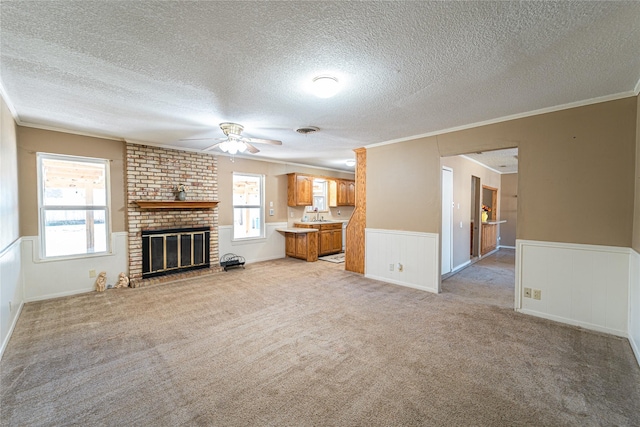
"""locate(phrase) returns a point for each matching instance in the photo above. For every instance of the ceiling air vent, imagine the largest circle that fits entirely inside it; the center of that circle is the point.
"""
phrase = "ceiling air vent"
(307, 130)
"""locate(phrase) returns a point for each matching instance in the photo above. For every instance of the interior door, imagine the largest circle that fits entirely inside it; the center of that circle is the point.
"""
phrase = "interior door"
(447, 220)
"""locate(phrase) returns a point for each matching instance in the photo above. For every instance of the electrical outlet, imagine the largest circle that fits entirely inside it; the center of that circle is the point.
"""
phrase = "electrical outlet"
(537, 294)
(270, 212)
(400, 267)
(390, 267)
(92, 273)
(527, 292)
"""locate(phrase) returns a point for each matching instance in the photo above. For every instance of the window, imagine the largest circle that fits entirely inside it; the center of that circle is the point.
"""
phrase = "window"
(248, 220)
(319, 196)
(73, 205)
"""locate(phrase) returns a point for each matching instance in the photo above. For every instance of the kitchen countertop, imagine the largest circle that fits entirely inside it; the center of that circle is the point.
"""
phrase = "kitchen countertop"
(495, 222)
(327, 221)
(297, 230)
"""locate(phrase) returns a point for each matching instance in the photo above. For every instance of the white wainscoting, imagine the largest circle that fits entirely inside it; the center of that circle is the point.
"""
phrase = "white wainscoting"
(418, 254)
(11, 291)
(254, 250)
(45, 279)
(582, 285)
(634, 303)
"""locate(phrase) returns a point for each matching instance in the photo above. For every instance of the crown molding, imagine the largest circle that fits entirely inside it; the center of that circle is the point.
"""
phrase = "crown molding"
(69, 131)
(568, 106)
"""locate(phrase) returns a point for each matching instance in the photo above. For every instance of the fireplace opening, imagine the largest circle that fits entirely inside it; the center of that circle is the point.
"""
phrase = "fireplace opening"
(174, 250)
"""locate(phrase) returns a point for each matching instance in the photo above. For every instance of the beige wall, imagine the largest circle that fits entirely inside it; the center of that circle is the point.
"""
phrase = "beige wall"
(463, 169)
(9, 216)
(636, 217)
(32, 141)
(275, 187)
(403, 186)
(576, 174)
(508, 208)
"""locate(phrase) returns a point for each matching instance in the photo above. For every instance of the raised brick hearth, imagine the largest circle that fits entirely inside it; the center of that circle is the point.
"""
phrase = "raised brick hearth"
(152, 174)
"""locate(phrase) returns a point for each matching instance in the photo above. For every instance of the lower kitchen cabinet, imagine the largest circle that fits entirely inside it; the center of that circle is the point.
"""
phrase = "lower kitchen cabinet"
(302, 245)
(329, 239)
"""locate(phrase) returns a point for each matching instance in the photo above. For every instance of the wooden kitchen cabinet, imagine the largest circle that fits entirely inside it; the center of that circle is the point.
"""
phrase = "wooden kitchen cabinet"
(488, 240)
(346, 193)
(302, 245)
(329, 237)
(299, 190)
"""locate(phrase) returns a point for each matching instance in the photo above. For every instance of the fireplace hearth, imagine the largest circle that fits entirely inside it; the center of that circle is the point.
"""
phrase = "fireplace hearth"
(174, 250)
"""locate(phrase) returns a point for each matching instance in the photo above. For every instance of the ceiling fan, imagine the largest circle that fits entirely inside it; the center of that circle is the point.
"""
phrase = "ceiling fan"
(236, 143)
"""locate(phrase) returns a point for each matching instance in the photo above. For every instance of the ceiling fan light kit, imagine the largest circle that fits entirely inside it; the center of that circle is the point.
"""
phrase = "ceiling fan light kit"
(235, 143)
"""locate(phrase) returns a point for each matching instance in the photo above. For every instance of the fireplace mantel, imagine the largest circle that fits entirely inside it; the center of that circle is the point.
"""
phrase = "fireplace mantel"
(176, 204)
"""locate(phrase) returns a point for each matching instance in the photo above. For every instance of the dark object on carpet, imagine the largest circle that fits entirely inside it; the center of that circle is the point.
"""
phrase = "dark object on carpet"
(231, 260)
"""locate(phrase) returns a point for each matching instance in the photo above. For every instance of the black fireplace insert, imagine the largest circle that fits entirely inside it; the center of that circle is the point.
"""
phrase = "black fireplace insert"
(174, 250)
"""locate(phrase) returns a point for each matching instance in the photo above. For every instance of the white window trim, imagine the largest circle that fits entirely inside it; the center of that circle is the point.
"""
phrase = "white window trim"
(41, 208)
(261, 207)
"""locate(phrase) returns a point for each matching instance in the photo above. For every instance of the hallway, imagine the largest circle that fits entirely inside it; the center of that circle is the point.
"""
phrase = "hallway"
(490, 281)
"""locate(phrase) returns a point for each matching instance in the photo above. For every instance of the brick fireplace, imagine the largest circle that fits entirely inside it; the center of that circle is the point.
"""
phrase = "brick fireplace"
(152, 175)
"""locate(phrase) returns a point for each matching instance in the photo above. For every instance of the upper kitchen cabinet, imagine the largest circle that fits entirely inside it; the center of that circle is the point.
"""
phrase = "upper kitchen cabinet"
(300, 190)
(346, 193)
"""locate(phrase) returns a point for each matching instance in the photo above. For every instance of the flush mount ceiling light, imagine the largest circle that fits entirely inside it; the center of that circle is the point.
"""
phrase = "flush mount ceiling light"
(350, 163)
(325, 86)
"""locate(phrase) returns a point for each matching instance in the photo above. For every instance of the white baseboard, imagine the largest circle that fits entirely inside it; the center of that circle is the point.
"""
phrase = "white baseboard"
(58, 295)
(6, 339)
(460, 267)
(635, 348)
(489, 253)
(585, 325)
(506, 247)
(400, 283)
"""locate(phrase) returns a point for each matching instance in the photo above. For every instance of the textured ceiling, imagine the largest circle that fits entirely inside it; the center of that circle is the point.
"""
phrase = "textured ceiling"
(502, 161)
(160, 72)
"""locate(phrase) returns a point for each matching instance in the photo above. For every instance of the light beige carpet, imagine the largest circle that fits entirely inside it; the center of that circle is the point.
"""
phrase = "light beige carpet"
(290, 343)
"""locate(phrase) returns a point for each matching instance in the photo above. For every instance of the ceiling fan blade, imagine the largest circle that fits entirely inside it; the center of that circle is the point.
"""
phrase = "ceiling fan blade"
(264, 141)
(251, 148)
(203, 139)
(212, 147)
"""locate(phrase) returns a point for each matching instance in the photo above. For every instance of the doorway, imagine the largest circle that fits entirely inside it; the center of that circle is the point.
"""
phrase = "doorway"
(447, 221)
(475, 217)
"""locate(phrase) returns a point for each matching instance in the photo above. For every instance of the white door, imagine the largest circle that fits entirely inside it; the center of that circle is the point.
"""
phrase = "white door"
(447, 220)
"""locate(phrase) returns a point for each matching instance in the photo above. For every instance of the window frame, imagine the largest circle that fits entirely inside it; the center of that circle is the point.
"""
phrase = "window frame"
(42, 209)
(261, 208)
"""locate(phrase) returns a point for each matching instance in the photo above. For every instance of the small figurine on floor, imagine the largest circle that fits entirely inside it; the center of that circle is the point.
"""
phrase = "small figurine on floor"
(123, 281)
(101, 281)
